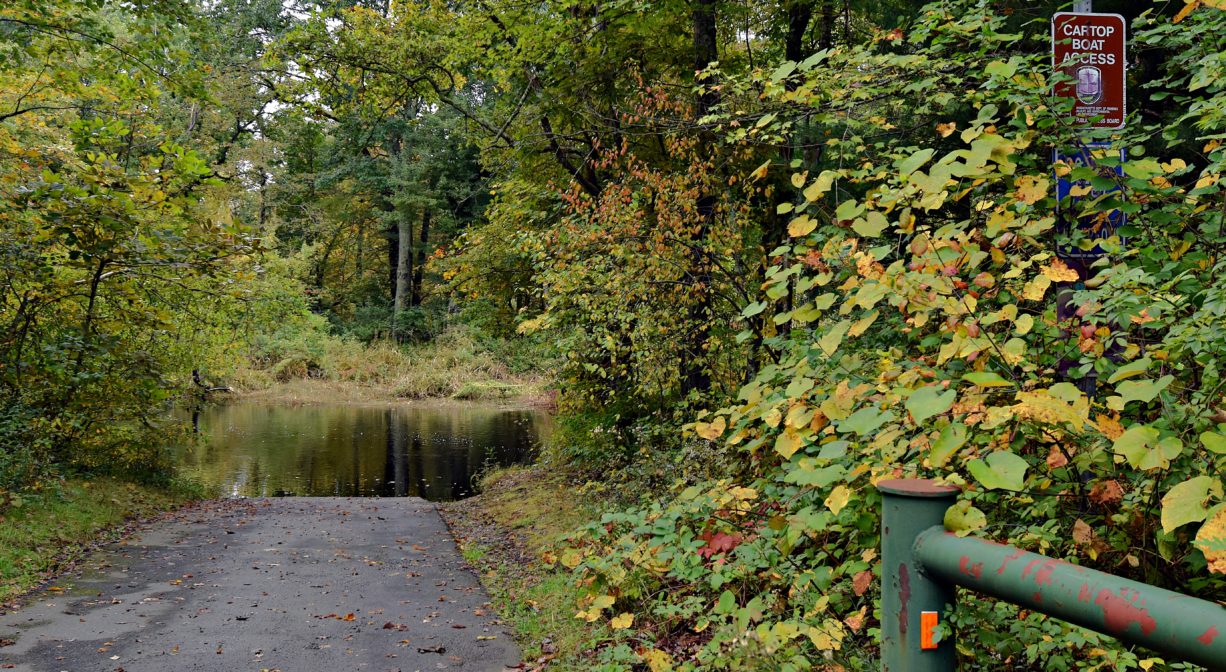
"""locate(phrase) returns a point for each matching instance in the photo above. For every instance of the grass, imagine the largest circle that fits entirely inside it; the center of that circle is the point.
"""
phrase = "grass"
(454, 365)
(525, 499)
(53, 527)
(503, 533)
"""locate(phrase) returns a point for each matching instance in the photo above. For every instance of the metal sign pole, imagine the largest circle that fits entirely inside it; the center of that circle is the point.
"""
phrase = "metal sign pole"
(1083, 6)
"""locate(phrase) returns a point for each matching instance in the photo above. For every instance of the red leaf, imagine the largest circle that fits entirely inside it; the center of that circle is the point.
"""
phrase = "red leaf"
(718, 542)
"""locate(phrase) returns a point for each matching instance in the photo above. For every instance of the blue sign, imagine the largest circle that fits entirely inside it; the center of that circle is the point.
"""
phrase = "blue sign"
(1095, 226)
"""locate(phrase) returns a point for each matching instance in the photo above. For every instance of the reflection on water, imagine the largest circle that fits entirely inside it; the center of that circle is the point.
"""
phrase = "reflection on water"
(264, 450)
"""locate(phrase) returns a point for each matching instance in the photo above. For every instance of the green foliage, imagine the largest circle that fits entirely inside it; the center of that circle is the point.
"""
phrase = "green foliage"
(841, 231)
(59, 521)
(920, 288)
(105, 229)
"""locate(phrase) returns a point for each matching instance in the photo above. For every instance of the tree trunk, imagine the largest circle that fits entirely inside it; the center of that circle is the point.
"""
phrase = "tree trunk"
(827, 41)
(695, 370)
(423, 245)
(392, 234)
(799, 14)
(706, 50)
(404, 272)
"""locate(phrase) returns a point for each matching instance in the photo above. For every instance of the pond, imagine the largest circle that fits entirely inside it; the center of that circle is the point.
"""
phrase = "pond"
(249, 449)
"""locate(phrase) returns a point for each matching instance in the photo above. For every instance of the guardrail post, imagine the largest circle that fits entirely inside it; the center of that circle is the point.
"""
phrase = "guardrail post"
(911, 602)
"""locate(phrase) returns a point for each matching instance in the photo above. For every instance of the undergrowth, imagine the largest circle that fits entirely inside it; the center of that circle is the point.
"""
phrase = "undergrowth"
(48, 527)
(458, 363)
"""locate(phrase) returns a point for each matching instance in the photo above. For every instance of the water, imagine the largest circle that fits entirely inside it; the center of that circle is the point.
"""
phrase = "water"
(434, 452)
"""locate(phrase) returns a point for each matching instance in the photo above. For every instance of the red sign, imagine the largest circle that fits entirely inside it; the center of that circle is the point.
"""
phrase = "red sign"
(1090, 49)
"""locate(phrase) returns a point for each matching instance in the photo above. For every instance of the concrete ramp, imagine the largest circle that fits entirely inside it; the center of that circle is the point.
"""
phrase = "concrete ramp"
(293, 584)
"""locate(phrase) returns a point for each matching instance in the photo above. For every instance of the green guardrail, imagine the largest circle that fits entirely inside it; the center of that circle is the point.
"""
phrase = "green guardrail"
(922, 564)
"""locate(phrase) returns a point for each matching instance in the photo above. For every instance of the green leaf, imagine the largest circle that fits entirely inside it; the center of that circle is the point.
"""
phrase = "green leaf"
(1142, 447)
(872, 225)
(952, 437)
(1186, 503)
(865, 421)
(799, 386)
(1214, 442)
(813, 60)
(848, 210)
(1001, 68)
(986, 379)
(1130, 370)
(807, 474)
(929, 401)
(1001, 469)
(1142, 390)
(962, 518)
(912, 163)
(753, 309)
(833, 450)
(807, 313)
(829, 343)
(1144, 169)
(784, 69)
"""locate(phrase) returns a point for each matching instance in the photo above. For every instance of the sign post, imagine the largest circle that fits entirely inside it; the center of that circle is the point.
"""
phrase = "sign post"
(1090, 51)
(1101, 226)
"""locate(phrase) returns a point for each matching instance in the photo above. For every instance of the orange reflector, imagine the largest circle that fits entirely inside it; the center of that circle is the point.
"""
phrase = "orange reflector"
(928, 627)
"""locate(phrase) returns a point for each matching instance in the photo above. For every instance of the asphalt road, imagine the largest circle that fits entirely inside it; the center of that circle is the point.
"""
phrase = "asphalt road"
(295, 584)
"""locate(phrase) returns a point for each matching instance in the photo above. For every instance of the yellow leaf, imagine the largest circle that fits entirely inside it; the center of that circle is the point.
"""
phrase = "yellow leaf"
(1110, 426)
(798, 179)
(1031, 189)
(602, 602)
(788, 443)
(760, 171)
(711, 430)
(658, 661)
(743, 493)
(862, 324)
(571, 559)
(1211, 540)
(1024, 324)
(1035, 289)
(1206, 181)
(838, 499)
(828, 637)
(588, 616)
(1174, 165)
(1041, 406)
(1187, 9)
(801, 226)
(1079, 190)
(622, 621)
(1058, 271)
(820, 186)
(947, 129)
